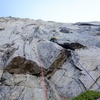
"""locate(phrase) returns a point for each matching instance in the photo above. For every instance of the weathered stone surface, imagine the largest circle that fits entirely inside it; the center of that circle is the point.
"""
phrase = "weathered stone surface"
(20, 65)
(89, 83)
(66, 81)
(6, 51)
(87, 61)
(48, 52)
(25, 46)
(26, 87)
(89, 58)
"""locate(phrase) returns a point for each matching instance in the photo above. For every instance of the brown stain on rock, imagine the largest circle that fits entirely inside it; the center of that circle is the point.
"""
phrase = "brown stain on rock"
(20, 65)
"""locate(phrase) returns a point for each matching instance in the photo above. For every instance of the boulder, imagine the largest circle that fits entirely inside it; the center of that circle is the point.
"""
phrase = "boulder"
(20, 65)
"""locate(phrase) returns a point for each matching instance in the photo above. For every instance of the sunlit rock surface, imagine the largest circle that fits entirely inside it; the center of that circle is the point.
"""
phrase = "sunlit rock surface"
(70, 66)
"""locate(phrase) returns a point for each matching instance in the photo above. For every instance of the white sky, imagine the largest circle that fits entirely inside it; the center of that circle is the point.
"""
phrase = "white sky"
(52, 10)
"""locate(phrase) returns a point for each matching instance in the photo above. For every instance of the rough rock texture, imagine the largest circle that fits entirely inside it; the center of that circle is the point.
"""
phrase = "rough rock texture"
(88, 60)
(64, 30)
(20, 65)
(70, 66)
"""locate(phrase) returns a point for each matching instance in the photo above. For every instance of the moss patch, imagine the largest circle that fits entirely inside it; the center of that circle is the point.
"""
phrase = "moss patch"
(88, 95)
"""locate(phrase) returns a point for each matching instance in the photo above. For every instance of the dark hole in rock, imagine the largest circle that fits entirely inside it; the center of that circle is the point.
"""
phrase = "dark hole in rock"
(71, 46)
(12, 73)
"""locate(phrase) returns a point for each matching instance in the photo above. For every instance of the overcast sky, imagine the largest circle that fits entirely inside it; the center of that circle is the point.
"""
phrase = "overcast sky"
(52, 10)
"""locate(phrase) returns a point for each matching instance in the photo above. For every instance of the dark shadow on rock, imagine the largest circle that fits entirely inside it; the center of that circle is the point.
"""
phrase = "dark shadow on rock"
(71, 46)
(65, 30)
(97, 34)
(20, 65)
(1, 28)
(85, 24)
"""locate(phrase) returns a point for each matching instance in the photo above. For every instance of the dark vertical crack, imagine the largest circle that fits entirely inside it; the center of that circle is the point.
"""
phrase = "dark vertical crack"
(53, 90)
(83, 85)
(24, 49)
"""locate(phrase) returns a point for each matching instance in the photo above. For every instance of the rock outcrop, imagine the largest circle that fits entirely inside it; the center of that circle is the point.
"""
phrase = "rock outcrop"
(70, 66)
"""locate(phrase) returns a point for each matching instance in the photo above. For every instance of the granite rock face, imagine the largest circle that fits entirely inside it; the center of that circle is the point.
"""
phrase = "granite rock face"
(70, 66)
